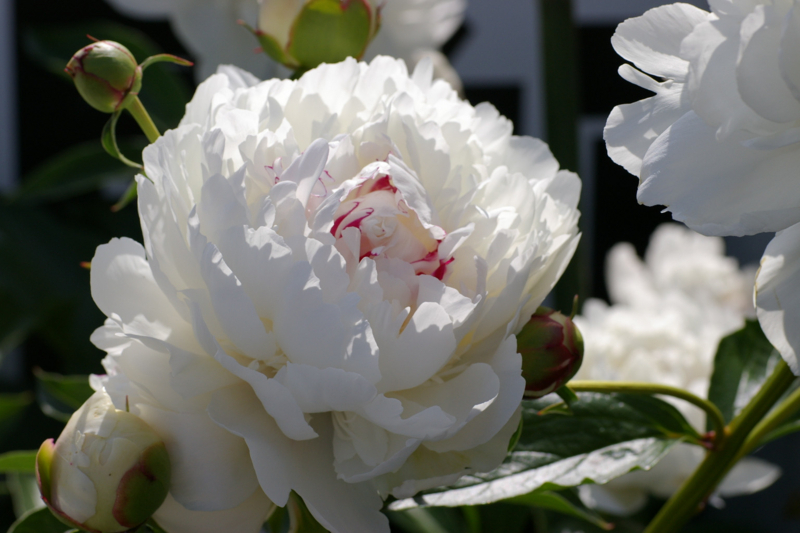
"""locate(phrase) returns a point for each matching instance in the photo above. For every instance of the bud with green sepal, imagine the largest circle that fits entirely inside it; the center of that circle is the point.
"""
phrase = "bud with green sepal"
(109, 79)
(108, 472)
(106, 75)
(552, 352)
(303, 34)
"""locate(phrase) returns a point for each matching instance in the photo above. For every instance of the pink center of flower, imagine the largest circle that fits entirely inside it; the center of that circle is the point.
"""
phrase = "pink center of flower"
(385, 227)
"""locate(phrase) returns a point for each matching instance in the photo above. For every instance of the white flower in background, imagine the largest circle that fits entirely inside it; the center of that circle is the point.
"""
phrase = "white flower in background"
(332, 275)
(414, 29)
(209, 31)
(410, 30)
(668, 315)
(719, 143)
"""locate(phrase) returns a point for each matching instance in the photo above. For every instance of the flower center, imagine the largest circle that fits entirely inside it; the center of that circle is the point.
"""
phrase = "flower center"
(375, 219)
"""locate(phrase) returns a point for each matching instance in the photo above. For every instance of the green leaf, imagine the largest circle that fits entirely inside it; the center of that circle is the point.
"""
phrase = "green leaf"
(164, 92)
(24, 492)
(82, 168)
(599, 438)
(12, 407)
(329, 31)
(22, 461)
(418, 520)
(38, 521)
(556, 502)
(744, 360)
(60, 396)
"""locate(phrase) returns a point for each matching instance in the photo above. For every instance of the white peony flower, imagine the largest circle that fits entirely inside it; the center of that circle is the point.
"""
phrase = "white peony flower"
(410, 30)
(669, 314)
(332, 275)
(719, 143)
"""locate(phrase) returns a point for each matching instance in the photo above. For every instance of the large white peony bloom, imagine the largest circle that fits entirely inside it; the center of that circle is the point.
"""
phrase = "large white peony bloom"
(332, 275)
(410, 30)
(669, 314)
(719, 143)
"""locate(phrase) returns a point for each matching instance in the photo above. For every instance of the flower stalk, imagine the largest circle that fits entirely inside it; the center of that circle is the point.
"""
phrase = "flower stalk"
(684, 503)
(143, 119)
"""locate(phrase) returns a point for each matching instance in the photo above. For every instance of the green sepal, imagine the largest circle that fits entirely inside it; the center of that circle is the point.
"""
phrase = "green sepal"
(271, 47)
(329, 31)
(44, 460)
(109, 141)
(168, 58)
(143, 488)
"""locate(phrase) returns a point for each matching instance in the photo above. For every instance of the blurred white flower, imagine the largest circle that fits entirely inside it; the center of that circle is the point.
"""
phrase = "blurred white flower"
(668, 315)
(209, 31)
(332, 275)
(410, 30)
(719, 143)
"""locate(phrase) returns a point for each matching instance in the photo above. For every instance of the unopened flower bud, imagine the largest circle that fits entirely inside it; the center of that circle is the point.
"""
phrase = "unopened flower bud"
(552, 351)
(105, 73)
(304, 34)
(108, 472)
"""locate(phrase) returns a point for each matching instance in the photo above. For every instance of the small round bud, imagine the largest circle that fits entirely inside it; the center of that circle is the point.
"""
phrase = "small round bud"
(105, 73)
(552, 351)
(108, 472)
(301, 35)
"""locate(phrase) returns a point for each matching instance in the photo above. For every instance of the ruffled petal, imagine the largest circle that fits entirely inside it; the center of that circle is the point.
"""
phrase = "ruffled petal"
(777, 302)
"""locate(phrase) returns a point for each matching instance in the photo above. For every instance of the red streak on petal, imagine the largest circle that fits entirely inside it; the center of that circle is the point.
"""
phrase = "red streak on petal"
(442, 270)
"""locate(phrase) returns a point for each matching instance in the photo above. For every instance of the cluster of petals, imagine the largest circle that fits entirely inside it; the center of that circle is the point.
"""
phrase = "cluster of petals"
(332, 275)
(668, 314)
(719, 143)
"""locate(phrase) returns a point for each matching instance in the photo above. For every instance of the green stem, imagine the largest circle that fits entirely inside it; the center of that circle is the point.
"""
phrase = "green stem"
(684, 503)
(772, 421)
(143, 119)
(632, 387)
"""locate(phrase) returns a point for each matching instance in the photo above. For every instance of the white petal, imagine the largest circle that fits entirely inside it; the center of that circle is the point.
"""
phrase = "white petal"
(123, 284)
(632, 128)
(777, 302)
(720, 187)
(749, 475)
(303, 466)
(419, 351)
(210, 467)
(247, 517)
(758, 74)
(653, 41)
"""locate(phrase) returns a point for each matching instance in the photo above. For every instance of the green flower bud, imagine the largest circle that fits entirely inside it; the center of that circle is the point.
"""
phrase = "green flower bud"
(301, 35)
(552, 351)
(108, 472)
(105, 74)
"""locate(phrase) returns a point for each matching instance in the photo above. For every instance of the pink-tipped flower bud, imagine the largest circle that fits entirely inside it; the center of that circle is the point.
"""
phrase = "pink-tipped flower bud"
(302, 34)
(105, 74)
(108, 472)
(552, 351)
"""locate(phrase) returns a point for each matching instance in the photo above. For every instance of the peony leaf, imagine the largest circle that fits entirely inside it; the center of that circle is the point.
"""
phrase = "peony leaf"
(744, 360)
(599, 438)
(59, 396)
(82, 168)
(22, 461)
(328, 31)
(39, 521)
(556, 502)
